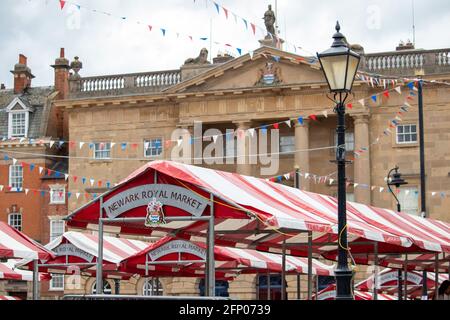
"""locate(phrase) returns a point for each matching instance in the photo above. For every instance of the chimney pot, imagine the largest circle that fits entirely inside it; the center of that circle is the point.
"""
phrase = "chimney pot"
(61, 53)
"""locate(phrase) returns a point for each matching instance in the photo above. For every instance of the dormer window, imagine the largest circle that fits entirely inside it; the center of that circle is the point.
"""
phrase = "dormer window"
(18, 118)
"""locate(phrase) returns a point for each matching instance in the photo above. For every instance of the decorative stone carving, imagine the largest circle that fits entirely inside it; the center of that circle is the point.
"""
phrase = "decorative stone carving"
(201, 59)
(269, 75)
(76, 66)
(269, 21)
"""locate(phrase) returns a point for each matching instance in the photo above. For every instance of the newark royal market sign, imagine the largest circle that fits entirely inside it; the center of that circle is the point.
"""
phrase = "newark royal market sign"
(165, 194)
(68, 249)
(177, 246)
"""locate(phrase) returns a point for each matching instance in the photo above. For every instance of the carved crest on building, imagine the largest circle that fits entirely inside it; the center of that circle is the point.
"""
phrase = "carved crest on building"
(269, 75)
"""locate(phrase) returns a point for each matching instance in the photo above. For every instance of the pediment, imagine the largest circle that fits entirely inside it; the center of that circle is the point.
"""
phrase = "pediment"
(18, 104)
(267, 67)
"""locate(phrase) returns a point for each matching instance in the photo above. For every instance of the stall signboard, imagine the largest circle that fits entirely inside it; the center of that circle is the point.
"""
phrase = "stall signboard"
(68, 249)
(177, 246)
(164, 194)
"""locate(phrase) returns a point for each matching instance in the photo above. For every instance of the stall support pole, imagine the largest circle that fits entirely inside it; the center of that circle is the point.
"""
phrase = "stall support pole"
(399, 285)
(298, 286)
(436, 275)
(211, 262)
(405, 280)
(35, 280)
(310, 265)
(375, 274)
(116, 286)
(99, 277)
(283, 272)
(268, 285)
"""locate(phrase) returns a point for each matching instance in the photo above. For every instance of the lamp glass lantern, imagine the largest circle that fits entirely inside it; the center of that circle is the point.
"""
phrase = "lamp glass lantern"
(339, 64)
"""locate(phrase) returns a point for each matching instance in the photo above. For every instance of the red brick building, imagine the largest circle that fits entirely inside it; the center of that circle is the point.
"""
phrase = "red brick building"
(33, 187)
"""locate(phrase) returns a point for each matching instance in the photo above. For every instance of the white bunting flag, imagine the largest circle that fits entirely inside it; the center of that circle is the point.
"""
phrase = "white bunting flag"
(355, 185)
(215, 138)
(287, 176)
(371, 82)
(373, 188)
(252, 131)
(66, 176)
(433, 194)
(52, 143)
(331, 181)
(1, 187)
(92, 182)
(251, 54)
(81, 144)
(40, 170)
(406, 192)
(26, 191)
(179, 141)
(399, 90)
(288, 123)
(113, 144)
(306, 175)
(146, 144)
(384, 83)
(22, 140)
(325, 113)
(407, 104)
(381, 189)
(361, 102)
(14, 161)
(77, 195)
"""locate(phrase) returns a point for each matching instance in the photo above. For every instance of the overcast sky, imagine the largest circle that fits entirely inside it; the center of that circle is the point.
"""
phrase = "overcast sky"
(110, 45)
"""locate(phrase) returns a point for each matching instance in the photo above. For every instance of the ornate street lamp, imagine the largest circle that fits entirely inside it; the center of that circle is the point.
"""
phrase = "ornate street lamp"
(395, 179)
(339, 64)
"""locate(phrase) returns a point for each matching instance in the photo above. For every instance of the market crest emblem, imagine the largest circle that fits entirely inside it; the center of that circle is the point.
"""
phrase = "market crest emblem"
(155, 214)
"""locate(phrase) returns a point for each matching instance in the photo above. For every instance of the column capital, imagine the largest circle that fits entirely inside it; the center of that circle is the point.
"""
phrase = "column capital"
(305, 123)
(361, 118)
(243, 124)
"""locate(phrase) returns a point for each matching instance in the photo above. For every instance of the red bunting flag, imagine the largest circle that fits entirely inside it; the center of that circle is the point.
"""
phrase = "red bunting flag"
(226, 12)
(8, 188)
(276, 125)
(86, 195)
(349, 105)
(49, 172)
(134, 145)
(23, 164)
(313, 117)
(253, 28)
(99, 183)
(386, 94)
(71, 144)
(62, 3)
(75, 179)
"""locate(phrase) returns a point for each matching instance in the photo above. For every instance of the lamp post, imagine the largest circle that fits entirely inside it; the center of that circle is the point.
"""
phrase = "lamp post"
(339, 65)
(397, 181)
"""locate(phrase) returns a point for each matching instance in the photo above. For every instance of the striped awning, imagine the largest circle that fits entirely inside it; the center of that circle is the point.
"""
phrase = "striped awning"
(15, 244)
(259, 214)
(9, 298)
(74, 248)
(179, 255)
(8, 271)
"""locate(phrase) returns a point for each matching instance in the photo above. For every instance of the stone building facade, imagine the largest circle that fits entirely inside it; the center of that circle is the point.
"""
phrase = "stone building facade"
(131, 112)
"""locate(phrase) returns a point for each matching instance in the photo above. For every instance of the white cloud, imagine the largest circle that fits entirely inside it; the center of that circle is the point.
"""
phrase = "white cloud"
(108, 45)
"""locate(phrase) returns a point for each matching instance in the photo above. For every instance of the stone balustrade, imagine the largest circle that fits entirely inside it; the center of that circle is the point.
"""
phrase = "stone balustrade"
(405, 63)
(122, 84)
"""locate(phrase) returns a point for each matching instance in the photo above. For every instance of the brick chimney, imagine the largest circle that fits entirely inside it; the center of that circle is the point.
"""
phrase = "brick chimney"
(22, 75)
(62, 68)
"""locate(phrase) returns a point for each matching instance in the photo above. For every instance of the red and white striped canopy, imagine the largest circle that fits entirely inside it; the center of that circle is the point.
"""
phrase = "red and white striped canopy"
(75, 247)
(388, 282)
(9, 272)
(15, 244)
(178, 255)
(251, 212)
(9, 298)
(329, 293)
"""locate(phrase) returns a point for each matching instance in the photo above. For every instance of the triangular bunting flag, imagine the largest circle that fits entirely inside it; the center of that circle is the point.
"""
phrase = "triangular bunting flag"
(288, 123)
(399, 90)
(217, 7)
(253, 28)
(62, 3)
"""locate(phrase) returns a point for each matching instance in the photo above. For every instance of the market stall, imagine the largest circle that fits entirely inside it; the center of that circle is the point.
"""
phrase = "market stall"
(229, 209)
(8, 271)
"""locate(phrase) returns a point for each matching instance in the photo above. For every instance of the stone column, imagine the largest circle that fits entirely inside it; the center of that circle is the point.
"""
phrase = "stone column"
(242, 157)
(362, 171)
(186, 144)
(302, 157)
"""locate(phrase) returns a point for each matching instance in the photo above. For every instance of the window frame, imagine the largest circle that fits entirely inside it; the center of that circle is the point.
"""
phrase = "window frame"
(159, 290)
(149, 141)
(51, 286)
(335, 138)
(96, 150)
(415, 189)
(52, 221)
(11, 113)
(293, 144)
(53, 189)
(11, 166)
(105, 284)
(19, 214)
(410, 133)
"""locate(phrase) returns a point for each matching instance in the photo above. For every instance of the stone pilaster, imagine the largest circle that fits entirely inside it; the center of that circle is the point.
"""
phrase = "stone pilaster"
(302, 157)
(362, 171)
(243, 148)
